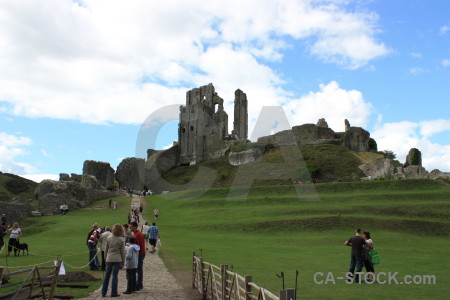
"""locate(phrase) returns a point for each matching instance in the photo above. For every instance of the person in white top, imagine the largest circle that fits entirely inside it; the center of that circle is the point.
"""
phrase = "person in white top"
(15, 234)
(144, 231)
(367, 247)
(104, 239)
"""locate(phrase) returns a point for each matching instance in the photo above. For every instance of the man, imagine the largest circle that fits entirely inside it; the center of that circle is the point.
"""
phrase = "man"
(144, 230)
(153, 236)
(103, 239)
(92, 240)
(141, 243)
(357, 243)
(156, 213)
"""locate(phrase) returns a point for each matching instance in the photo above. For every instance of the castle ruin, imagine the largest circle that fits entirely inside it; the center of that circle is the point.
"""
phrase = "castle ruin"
(204, 123)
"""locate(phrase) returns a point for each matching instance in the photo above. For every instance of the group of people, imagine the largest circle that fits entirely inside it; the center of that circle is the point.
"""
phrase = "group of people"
(361, 245)
(122, 246)
(64, 209)
(14, 234)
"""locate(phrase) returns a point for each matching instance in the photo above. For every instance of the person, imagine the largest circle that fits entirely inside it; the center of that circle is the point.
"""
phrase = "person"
(115, 204)
(357, 254)
(141, 207)
(156, 213)
(140, 242)
(103, 239)
(128, 232)
(129, 218)
(144, 230)
(15, 234)
(131, 263)
(153, 236)
(115, 258)
(96, 257)
(92, 241)
(109, 203)
(367, 247)
(132, 206)
(3, 219)
(3, 232)
(61, 209)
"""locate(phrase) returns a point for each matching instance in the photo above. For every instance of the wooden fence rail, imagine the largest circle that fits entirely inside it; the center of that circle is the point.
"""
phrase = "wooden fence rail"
(215, 283)
(29, 283)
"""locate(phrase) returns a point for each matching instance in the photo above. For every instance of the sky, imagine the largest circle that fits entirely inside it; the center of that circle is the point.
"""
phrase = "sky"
(79, 78)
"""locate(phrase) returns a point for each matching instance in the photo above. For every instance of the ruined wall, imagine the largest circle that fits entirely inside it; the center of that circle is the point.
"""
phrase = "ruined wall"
(240, 124)
(159, 163)
(130, 173)
(101, 170)
(357, 139)
(203, 121)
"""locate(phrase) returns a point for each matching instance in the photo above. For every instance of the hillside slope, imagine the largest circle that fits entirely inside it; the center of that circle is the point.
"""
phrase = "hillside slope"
(321, 163)
(12, 186)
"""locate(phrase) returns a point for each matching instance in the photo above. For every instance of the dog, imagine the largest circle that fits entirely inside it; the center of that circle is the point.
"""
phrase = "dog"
(20, 247)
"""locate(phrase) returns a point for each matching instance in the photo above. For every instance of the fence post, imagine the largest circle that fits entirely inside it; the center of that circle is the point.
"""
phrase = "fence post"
(1, 276)
(202, 275)
(248, 287)
(223, 274)
(287, 294)
(54, 279)
(194, 273)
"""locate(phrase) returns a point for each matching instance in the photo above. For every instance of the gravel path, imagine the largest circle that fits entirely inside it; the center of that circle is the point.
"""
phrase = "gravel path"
(159, 284)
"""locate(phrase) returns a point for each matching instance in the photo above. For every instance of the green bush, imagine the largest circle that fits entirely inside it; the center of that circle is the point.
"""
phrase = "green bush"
(373, 145)
(16, 186)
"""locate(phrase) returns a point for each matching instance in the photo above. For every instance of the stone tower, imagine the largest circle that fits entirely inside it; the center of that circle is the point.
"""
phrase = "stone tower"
(240, 124)
(203, 123)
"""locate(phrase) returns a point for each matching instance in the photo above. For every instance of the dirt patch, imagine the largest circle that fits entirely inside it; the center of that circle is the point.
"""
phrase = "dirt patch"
(77, 277)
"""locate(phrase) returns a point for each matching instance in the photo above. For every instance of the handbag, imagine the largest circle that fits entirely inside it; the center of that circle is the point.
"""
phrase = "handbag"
(158, 243)
(375, 257)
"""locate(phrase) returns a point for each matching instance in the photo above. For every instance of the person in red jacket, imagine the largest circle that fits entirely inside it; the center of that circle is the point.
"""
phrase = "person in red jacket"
(137, 234)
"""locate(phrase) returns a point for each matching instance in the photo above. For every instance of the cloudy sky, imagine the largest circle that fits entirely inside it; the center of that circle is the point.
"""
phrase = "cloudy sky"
(79, 77)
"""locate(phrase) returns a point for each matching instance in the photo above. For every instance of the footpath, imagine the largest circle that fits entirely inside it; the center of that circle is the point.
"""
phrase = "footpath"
(158, 283)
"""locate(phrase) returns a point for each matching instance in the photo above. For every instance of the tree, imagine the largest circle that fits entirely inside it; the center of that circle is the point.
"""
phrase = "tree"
(389, 154)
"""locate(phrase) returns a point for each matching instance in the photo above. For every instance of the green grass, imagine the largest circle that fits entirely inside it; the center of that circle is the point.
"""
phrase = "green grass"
(272, 230)
(12, 186)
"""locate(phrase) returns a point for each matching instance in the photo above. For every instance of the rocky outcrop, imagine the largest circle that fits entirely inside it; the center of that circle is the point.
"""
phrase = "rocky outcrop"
(52, 194)
(435, 174)
(159, 163)
(101, 170)
(64, 177)
(380, 168)
(91, 182)
(322, 123)
(414, 158)
(357, 139)
(130, 173)
(244, 157)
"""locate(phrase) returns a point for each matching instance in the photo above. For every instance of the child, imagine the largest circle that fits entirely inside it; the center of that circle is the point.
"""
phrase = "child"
(131, 263)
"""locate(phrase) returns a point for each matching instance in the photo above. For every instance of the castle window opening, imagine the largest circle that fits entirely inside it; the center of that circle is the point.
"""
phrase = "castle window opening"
(192, 128)
(184, 130)
(216, 108)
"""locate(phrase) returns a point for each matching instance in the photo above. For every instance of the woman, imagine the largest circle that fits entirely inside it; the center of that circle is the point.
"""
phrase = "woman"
(367, 247)
(115, 258)
(15, 234)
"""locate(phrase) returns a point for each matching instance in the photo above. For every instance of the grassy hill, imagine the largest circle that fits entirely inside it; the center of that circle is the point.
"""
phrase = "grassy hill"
(278, 228)
(12, 186)
(325, 163)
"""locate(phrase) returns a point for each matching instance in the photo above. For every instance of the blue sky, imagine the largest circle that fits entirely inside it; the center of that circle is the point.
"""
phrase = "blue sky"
(78, 78)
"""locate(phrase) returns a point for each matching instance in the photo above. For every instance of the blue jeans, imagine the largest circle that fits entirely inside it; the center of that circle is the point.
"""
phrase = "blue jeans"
(92, 253)
(356, 260)
(111, 267)
(140, 271)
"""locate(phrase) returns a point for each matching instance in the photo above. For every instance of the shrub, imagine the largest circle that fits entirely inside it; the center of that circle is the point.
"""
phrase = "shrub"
(16, 186)
(373, 145)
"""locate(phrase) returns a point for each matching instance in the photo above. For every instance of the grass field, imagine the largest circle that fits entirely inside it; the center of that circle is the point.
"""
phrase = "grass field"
(272, 231)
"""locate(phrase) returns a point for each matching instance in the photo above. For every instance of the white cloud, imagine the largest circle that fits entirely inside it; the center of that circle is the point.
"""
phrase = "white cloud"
(332, 103)
(111, 61)
(444, 29)
(402, 136)
(416, 54)
(445, 62)
(418, 71)
(45, 153)
(39, 177)
(10, 148)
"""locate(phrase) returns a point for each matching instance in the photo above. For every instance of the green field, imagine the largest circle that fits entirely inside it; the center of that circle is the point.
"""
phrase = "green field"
(274, 230)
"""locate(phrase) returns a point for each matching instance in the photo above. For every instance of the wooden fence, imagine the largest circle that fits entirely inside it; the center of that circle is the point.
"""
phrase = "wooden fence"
(29, 283)
(218, 283)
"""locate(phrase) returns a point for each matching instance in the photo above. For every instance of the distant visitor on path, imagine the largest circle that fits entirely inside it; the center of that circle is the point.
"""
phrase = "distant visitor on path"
(116, 204)
(144, 230)
(3, 232)
(131, 264)
(140, 242)
(153, 236)
(15, 234)
(357, 254)
(156, 213)
(115, 258)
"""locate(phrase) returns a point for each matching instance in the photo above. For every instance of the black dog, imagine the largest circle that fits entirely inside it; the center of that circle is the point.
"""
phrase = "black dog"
(20, 247)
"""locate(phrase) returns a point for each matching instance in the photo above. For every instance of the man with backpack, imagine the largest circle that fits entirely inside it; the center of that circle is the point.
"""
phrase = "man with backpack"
(92, 240)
